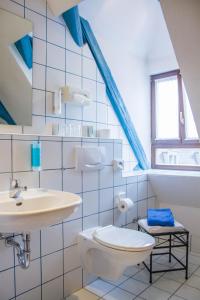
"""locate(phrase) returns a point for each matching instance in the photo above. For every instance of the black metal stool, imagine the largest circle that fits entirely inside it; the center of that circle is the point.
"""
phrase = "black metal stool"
(176, 239)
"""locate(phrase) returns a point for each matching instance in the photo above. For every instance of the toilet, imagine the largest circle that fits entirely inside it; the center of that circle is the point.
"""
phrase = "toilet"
(107, 251)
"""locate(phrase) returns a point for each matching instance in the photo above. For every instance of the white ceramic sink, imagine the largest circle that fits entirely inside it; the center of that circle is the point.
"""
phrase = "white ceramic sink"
(39, 208)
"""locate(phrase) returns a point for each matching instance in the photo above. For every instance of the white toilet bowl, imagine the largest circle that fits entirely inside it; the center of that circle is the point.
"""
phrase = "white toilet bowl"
(108, 251)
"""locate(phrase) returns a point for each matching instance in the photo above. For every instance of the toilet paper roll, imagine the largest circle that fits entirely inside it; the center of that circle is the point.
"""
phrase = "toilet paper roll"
(125, 204)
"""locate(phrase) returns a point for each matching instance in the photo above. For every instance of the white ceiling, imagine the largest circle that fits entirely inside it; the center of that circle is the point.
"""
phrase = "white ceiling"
(60, 6)
(132, 25)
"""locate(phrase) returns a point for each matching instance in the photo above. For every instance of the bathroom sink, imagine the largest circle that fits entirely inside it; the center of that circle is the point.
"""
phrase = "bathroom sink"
(36, 209)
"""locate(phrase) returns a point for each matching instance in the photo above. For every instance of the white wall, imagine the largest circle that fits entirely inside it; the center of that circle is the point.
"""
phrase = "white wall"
(180, 191)
(132, 78)
(123, 31)
(161, 56)
(55, 269)
(183, 21)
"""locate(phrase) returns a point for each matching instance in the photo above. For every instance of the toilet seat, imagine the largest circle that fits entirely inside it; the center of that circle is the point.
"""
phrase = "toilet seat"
(123, 239)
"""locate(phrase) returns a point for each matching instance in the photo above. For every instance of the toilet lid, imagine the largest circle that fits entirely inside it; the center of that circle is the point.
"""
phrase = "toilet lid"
(123, 238)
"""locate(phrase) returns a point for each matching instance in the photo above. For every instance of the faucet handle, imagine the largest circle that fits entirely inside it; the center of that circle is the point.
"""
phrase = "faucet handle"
(14, 183)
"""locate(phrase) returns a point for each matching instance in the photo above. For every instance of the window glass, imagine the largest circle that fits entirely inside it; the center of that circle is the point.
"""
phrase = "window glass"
(167, 108)
(190, 127)
(178, 157)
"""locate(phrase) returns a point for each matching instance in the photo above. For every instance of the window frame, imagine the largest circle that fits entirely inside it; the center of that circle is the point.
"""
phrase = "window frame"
(181, 142)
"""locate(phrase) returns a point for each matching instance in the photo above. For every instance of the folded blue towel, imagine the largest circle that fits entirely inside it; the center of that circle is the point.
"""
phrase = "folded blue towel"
(160, 217)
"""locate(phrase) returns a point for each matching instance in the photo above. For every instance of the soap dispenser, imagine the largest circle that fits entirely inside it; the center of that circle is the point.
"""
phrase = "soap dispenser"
(36, 156)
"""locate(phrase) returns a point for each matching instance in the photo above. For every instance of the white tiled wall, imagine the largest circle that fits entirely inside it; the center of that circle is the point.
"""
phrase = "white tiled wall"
(55, 269)
(58, 61)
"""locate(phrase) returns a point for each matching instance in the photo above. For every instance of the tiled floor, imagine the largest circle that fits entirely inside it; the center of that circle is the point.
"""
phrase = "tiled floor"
(134, 284)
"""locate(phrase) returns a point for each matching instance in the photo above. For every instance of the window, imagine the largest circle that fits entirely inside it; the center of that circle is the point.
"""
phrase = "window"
(175, 142)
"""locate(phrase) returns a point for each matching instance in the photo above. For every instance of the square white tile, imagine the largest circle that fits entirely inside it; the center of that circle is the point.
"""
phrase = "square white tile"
(118, 178)
(194, 281)
(100, 287)
(55, 57)
(31, 295)
(51, 179)
(55, 79)
(55, 33)
(89, 112)
(90, 181)
(74, 80)
(72, 282)
(133, 286)
(142, 190)
(132, 191)
(119, 218)
(71, 258)
(118, 294)
(187, 292)
(73, 112)
(106, 177)
(29, 179)
(38, 100)
(6, 257)
(7, 284)
(49, 234)
(72, 181)
(29, 278)
(71, 230)
(35, 244)
(90, 86)
(91, 221)
(89, 68)
(153, 293)
(109, 151)
(90, 203)
(101, 93)
(106, 200)
(53, 290)
(38, 76)
(51, 155)
(52, 266)
(142, 209)
(167, 285)
(102, 113)
(39, 51)
(5, 156)
(106, 218)
(73, 63)
(21, 155)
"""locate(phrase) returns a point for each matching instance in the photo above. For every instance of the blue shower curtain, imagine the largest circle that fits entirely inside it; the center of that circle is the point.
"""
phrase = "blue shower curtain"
(82, 33)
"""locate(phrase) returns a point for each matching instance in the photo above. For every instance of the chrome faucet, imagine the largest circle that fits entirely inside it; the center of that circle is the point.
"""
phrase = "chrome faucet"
(15, 189)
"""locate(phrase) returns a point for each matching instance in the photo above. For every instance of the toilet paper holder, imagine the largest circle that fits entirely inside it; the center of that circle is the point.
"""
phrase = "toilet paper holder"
(123, 203)
(120, 196)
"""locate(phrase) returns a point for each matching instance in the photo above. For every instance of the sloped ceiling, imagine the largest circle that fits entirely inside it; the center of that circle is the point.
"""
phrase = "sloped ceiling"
(60, 6)
(183, 21)
(136, 26)
(121, 23)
